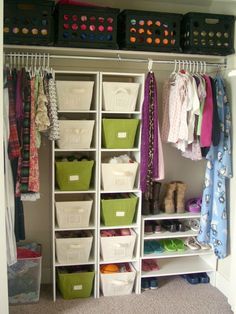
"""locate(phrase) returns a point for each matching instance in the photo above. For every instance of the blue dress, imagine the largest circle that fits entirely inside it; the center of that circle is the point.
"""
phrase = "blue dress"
(214, 212)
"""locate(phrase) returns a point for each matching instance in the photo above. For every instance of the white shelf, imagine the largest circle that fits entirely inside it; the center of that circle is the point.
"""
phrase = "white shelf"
(90, 262)
(119, 112)
(77, 111)
(126, 260)
(178, 266)
(75, 149)
(134, 226)
(120, 150)
(74, 192)
(90, 227)
(122, 191)
(187, 252)
(164, 216)
(168, 234)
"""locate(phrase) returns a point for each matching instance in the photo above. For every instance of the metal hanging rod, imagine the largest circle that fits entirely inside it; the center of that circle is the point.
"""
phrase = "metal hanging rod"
(117, 59)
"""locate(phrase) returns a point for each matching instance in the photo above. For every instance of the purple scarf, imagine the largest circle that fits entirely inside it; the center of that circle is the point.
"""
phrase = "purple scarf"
(145, 145)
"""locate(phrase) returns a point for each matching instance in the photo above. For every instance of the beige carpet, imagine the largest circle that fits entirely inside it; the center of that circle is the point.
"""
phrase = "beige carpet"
(173, 296)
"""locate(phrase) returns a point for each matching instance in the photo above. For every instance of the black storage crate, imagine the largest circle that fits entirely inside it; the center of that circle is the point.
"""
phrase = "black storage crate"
(28, 22)
(208, 33)
(153, 31)
(88, 27)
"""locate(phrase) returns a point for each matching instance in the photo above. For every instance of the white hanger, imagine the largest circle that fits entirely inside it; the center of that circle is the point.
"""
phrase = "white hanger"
(150, 64)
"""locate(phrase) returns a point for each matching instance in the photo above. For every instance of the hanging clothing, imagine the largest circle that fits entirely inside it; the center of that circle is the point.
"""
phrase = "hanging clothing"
(213, 222)
(9, 184)
(54, 132)
(150, 142)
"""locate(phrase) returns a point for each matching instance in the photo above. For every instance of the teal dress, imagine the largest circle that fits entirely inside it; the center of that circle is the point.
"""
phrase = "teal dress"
(214, 212)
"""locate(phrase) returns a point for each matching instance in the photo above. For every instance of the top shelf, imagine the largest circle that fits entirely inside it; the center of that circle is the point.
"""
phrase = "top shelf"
(107, 53)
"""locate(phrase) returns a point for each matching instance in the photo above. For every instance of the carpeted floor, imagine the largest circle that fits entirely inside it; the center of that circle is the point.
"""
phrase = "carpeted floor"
(173, 296)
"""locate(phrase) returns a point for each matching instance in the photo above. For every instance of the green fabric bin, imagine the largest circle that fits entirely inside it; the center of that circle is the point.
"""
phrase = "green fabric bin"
(118, 212)
(75, 285)
(74, 175)
(119, 133)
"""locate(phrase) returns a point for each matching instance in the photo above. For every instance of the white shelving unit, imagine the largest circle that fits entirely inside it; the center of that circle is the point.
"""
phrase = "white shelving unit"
(92, 153)
(177, 262)
(134, 153)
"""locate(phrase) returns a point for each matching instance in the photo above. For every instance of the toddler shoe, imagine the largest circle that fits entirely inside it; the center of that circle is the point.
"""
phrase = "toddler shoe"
(153, 283)
(145, 284)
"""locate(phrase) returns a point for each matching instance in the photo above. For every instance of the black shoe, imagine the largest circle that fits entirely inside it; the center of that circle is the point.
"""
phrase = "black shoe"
(145, 205)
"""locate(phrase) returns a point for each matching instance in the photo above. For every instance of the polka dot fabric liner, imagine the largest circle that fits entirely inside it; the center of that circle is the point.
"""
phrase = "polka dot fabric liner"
(26, 23)
(208, 33)
(149, 30)
(87, 27)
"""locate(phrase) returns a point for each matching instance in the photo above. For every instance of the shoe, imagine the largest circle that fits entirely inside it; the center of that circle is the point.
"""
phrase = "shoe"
(169, 202)
(169, 225)
(155, 202)
(192, 244)
(168, 245)
(179, 244)
(153, 283)
(192, 279)
(145, 284)
(157, 246)
(203, 278)
(145, 205)
(194, 224)
(148, 229)
(149, 265)
(203, 246)
(180, 196)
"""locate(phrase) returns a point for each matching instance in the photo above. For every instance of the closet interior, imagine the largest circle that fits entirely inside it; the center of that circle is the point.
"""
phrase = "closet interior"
(91, 239)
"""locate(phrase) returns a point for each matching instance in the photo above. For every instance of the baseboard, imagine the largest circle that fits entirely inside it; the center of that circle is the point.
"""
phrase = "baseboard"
(46, 276)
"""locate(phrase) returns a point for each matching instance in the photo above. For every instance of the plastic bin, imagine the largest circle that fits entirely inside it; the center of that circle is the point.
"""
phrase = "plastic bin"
(89, 27)
(205, 33)
(74, 95)
(118, 248)
(73, 250)
(28, 23)
(74, 214)
(118, 283)
(75, 285)
(121, 97)
(119, 133)
(119, 211)
(119, 177)
(74, 175)
(75, 133)
(24, 278)
(145, 30)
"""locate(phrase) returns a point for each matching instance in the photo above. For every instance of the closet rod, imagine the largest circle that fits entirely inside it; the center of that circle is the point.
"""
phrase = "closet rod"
(118, 59)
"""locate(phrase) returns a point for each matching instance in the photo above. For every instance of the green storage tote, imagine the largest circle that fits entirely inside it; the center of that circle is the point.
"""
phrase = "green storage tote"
(74, 175)
(75, 285)
(118, 212)
(119, 133)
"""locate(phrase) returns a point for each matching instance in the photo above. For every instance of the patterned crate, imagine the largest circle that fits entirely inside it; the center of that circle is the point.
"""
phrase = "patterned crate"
(89, 27)
(143, 30)
(208, 33)
(28, 23)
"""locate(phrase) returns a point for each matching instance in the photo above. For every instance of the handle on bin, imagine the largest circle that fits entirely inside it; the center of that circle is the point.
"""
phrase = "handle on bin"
(80, 210)
(121, 282)
(75, 246)
(122, 173)
(121, 90)
(122, 245)
(78, 90)
(212, 21)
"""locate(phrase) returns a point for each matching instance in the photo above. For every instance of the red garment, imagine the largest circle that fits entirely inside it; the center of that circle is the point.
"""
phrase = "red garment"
(26, 253)
(206, 128)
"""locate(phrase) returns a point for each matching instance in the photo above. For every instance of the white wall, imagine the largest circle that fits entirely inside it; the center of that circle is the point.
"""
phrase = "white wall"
(3, 262)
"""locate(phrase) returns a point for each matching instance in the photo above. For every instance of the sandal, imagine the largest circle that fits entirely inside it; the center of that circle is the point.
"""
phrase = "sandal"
(179, 244)
(157, 246)
(169, 245)
(192, 244)
(203, 246)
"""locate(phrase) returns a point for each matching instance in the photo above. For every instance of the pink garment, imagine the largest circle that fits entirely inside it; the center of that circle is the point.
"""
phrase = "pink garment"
(165, 126)
(206, 128)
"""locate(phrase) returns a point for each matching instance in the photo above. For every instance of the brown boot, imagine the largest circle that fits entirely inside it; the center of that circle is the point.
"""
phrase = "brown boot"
(169, 200)
(180, 196)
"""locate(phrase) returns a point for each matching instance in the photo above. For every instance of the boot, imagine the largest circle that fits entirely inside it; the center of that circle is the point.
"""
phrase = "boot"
(145, 204)
(180, 196)
(155, 202)
(169, 200)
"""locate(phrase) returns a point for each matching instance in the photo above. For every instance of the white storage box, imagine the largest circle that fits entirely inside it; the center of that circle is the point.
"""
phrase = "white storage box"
(118, 177)
(118, 283)
(119, 96)
(75, 133)
(73, 250)
(74, 95)
(74, 214)
(118, 248)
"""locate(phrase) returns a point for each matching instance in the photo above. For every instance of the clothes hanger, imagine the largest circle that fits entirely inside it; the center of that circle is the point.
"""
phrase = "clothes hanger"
(150, 64)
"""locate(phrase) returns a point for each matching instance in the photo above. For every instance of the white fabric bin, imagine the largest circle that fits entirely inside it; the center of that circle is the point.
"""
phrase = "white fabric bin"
(118, 248)
(73, 250)
(118, 283)
(75, 133)
(74, 95)
(118, 177)
(119, 96)
(74, 214)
